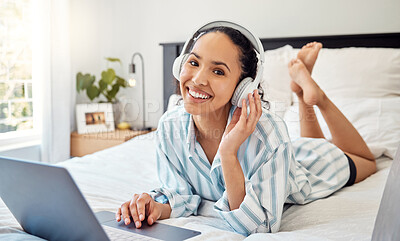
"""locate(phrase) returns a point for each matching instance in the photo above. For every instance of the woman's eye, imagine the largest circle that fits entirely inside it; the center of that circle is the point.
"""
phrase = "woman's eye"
(219, 72)
(193, 63)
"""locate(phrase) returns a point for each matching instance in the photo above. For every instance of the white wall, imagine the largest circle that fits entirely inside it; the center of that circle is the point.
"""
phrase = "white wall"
(102, 28)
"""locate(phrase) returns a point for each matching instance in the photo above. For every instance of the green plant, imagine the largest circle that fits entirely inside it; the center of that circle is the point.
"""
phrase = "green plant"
(108, 85)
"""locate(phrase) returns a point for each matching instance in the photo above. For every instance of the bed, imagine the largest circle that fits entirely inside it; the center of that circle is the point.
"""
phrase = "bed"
(110, 177)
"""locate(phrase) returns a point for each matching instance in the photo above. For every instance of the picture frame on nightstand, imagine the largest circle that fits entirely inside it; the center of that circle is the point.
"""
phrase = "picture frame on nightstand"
(94, 118)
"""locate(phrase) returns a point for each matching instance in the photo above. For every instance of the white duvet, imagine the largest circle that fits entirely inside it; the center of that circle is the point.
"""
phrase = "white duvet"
(110, 177)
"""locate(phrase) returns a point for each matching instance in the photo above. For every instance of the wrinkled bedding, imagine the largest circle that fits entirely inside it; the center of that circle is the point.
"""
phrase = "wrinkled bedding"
(110, 177)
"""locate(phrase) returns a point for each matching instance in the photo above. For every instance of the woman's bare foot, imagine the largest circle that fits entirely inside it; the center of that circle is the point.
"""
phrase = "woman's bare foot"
(308, 54)
(302, 83)
(296, 89)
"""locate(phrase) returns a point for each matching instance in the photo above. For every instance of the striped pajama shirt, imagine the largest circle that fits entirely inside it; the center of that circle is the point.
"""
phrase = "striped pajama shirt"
(277, 170)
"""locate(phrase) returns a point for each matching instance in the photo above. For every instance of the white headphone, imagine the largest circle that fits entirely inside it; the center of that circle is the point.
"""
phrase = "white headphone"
(247, 85)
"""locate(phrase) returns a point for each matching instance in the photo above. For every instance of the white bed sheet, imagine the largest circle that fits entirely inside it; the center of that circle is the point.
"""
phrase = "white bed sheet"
(110, 177)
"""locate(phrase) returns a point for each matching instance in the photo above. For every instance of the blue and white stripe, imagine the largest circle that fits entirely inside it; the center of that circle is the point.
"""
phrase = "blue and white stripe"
(276, 169)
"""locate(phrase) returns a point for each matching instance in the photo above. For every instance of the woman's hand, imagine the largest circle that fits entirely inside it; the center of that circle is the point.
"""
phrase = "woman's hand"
(241, 125)
(139, 207)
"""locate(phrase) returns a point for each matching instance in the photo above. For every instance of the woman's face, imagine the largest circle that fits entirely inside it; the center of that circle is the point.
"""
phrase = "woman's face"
(210, 74)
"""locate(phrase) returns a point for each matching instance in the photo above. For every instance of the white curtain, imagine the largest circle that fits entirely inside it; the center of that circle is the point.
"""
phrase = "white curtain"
(56, 80)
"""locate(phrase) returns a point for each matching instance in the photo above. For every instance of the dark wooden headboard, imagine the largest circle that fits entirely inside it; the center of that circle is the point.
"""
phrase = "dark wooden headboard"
(383, 40)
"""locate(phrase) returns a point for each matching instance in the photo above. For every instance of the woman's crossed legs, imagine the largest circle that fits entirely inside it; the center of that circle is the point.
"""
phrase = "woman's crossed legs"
(344, 135)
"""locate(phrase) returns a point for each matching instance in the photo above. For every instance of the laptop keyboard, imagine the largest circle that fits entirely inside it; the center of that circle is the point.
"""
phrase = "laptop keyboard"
(118, 234)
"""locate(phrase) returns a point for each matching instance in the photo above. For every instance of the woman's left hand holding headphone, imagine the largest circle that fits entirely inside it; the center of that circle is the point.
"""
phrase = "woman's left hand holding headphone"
(238, 130)
(241, 125)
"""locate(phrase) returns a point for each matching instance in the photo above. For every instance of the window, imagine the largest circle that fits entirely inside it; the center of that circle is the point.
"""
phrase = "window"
(16, 97)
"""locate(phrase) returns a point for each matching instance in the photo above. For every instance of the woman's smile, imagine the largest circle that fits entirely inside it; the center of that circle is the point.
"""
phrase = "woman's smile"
(197, 95)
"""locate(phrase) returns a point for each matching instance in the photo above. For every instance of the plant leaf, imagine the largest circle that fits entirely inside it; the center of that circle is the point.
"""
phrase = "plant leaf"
(108, 76)
(79, 81)
(121, 81)
(92, 92)
(113, 92)
(92, 80)
(84, 81)
(102, 85)
(88, 80)
(113, 60)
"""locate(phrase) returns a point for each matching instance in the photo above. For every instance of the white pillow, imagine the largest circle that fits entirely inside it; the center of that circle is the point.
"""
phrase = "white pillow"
(376, 119)
(276, 79)
(358, 72)
(173, 101)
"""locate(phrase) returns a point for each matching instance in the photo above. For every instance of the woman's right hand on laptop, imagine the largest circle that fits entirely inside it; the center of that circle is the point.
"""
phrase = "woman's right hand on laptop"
(140, 207)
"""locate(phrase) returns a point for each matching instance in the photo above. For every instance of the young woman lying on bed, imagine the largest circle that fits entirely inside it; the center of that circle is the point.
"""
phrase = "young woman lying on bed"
(244, 160)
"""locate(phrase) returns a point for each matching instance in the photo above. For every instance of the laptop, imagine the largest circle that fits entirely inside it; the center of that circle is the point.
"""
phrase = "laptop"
(47, 203)
(387, 222)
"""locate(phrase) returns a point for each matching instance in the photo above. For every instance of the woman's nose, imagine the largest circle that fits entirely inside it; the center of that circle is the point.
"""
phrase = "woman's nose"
(200, 77)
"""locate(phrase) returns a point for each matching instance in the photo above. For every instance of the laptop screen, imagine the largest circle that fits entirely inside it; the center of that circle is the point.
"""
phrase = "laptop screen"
(387, 223)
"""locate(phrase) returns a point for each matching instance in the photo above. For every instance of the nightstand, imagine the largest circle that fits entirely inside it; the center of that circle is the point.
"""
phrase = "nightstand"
(83, 144)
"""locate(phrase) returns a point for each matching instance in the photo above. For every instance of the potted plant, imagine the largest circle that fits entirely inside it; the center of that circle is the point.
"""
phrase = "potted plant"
(108, 86)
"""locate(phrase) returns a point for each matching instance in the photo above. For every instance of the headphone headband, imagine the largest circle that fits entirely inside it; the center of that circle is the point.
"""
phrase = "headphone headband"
(251, 37)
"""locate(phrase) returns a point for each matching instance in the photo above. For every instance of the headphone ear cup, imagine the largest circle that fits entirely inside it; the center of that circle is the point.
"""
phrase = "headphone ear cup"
(177, 67)
(242, 90)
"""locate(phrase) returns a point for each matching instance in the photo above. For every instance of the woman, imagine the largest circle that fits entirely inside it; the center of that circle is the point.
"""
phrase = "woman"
(245, 161)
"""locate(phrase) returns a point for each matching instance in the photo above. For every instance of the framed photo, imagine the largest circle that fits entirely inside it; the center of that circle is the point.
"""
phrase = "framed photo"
(94, 118)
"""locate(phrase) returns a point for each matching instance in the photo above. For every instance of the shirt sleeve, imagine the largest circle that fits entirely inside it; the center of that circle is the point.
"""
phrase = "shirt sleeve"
(262, 207)
(175, 187)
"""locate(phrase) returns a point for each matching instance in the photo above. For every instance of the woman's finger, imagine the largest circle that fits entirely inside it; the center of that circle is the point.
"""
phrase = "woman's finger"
(141, 203)
(253, 113)
(133, 210)
(243, 114)
(236, 115)
(125, 212)
(244, 110)
(118, 215)
(257, 100)
(258, 105)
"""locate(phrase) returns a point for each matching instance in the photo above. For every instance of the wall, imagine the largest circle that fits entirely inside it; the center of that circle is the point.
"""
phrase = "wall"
(95, 35)
(119, 28)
